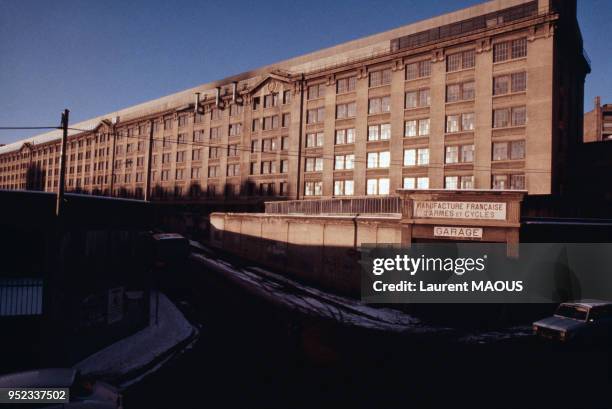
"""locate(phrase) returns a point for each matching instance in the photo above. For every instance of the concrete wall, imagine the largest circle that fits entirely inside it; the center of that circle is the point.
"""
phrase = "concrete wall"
(315, 249)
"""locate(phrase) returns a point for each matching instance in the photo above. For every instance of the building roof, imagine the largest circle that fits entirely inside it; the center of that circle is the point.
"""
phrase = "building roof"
(361, 48)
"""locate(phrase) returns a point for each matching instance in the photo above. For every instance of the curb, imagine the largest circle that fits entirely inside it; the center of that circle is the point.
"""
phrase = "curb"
(136, 372)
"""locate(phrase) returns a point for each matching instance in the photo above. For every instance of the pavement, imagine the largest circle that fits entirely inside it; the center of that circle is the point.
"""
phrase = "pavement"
(130, 359)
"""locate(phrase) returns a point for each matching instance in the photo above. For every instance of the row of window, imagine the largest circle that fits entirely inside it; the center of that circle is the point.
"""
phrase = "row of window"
(502, 51)
(381, 186)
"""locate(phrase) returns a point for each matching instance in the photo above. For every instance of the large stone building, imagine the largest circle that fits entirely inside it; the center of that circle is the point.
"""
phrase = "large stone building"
(484, 97)
(598, 122)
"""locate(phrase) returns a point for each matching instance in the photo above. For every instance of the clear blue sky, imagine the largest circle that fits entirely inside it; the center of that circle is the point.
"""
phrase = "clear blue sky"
(96, 56)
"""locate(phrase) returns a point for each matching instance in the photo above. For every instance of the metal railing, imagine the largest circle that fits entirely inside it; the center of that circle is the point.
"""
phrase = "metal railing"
(352, 205)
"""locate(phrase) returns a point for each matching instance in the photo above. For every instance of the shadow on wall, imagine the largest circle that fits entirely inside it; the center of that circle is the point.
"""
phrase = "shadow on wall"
(36, 177)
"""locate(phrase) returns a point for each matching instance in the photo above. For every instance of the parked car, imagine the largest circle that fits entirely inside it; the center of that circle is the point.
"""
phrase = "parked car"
(84, 392)
(585, 320)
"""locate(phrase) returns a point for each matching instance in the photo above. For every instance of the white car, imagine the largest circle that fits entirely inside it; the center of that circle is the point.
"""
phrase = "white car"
(85, 393)
(585, 320)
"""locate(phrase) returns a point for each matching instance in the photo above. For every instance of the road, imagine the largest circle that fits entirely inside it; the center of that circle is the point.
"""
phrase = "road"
(254, 354)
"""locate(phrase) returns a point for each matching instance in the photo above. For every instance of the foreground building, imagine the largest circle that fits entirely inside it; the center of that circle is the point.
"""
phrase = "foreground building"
(487, 97)
(598, 122)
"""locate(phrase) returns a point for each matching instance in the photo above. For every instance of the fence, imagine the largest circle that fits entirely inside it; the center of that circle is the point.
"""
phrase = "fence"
(353, 205)
(20, 296)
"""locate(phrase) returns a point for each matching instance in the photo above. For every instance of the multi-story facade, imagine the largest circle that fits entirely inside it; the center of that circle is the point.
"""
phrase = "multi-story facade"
(598, 122)
(483, 98)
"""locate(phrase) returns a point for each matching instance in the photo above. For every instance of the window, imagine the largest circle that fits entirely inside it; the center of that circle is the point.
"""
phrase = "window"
(256, 103)
(314, 116)
(213, 171)
(378, 186)
(232, 150)
(255, 126)
(459, 122)
(198, 136)
(166, 158)
(344, 136)
(466, 182)
(379, 159)
(508, 150)
(284, 143)
(214, 152)
(418, 69)
(460, 92)
(346, 85)
(270, 100)
(314, 139)
(216, 114)
(165, 174)
(167, 124)
(284, 168)
(196, 154)
(233, 169)
(416, 127)
(379, 132)
(286, 120)
(344, 188)
(379, 105)
(513, 182)
(515, 82)
(348, 110)
(235, 129)
(270, 122)
(416, 157)
(254, 146)
(215, 133)
(378, 78)
(343, 162)
(504, 117)
(269, 145)
(508, 50)
(179, 174)
(286, 96)
(460, 61)
(459, 154)
(235, 110)
(195, 173)
(268, 167)
(313, 188)
(316, 91)
(314, 164)
(459, 182)
(417, 99)
(180, 156)
(183, 120)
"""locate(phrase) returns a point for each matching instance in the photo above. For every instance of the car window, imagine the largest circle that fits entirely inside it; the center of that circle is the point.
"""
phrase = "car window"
(571, 311)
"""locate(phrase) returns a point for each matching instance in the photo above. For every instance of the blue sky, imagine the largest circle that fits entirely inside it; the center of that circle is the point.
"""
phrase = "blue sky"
(97, 56)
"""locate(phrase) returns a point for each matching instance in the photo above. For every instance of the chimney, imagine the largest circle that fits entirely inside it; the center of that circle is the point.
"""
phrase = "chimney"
(597, 102)
(234, 86)
(197, 102)
(217, 96)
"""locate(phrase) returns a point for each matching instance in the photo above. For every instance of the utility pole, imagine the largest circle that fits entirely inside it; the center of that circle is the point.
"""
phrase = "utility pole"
(59, 205)
(147, 193)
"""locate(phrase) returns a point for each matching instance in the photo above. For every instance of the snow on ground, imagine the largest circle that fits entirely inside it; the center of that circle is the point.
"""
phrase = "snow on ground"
(144, 348)
(291, 294)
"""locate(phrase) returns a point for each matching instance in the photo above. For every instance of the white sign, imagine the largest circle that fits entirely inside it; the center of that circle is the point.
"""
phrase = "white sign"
(459, 210)
(458, 232)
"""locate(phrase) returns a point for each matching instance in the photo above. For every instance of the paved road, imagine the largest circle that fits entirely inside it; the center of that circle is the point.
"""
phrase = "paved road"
(251, 354)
